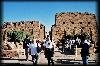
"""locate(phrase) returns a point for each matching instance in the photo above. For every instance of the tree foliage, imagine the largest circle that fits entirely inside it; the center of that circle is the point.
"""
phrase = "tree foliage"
(16, 35)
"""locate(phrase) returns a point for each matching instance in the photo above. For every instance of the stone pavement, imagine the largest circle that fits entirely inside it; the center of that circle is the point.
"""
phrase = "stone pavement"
(58, 59)
(43, 60)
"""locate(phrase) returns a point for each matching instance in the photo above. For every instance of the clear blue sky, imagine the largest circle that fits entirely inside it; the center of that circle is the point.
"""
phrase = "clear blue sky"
(43, 11)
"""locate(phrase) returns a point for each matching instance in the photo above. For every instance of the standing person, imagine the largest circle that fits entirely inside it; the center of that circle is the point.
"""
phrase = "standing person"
(85, 51)
(33, 50)
(38, 46)
(78, 41)
(25, 43)
(67, 43)
(63, 44)
(73, 45)
(49, 51)
(72, 41)
(43, 44)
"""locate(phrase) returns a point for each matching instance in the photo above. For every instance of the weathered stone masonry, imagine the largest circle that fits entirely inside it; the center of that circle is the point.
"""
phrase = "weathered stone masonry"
(31, 27)
(74, 22)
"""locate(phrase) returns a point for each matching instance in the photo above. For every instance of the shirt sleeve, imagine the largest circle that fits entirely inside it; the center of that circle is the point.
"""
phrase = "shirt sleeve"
(39, 45)
(29, 46)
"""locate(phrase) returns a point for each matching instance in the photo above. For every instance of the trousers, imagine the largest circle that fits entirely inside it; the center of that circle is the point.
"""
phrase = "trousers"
(34, 59)
(85, 60)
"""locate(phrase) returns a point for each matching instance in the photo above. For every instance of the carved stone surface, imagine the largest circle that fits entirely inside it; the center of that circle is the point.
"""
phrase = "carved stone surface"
(31, 27)
(9, 53)
(74, 23)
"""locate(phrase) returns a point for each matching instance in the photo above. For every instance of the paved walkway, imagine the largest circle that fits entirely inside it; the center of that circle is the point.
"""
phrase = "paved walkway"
(58, 59)
(43, 60)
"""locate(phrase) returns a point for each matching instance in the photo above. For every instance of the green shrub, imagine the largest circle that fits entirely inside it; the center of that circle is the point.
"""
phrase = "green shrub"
(16, 35)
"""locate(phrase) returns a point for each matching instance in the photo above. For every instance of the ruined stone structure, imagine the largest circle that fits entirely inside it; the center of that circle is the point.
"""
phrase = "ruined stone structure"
(71, 23)
(31, 27)
(74, 23)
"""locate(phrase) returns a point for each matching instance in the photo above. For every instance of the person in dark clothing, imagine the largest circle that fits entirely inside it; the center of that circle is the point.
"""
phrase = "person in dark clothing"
(49, 55)
(63, 44)
(25, 46)
(85, 51)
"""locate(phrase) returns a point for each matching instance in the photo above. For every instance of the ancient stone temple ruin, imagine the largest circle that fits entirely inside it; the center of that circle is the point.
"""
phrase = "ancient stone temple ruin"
(71, 23)
(32, 27)
(74, 23)
(12, 50)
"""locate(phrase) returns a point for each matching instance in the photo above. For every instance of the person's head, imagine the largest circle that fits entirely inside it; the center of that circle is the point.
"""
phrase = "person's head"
(48, 43)
(86, 37)
(31, 41)
(34, 40)
(47, 35)
(37, 41)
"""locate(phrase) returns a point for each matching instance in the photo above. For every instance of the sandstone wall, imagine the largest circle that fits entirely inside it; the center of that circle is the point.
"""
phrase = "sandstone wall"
(74, 22)
(31, 27)
(9, 49)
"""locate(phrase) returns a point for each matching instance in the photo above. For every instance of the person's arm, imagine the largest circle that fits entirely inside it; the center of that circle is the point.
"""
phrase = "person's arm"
(28, 44)
(44, 44)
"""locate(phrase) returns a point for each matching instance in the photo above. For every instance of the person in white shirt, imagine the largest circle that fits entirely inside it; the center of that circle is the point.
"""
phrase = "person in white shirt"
(87, 41)
(33, 50)
(71, 42)
(49, 51)
(78, 41)
(67, 43)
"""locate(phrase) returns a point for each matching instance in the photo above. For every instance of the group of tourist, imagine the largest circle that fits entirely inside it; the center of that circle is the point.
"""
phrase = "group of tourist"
(81, 41)
(35, 46)
(70, 42)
